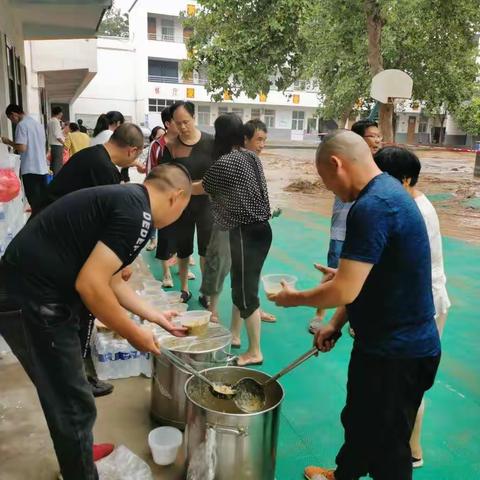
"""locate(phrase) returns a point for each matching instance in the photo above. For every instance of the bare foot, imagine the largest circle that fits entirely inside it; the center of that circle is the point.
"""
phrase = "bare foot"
(247, 359)
(236, 342)
(267, 317)
(214, 318)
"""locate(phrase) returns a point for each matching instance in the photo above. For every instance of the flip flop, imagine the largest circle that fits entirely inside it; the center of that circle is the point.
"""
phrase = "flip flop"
(249, 364)
(236, 345)
(267, 317)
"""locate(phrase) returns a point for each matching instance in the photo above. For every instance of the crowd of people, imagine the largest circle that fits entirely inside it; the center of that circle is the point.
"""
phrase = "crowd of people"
(70, 264)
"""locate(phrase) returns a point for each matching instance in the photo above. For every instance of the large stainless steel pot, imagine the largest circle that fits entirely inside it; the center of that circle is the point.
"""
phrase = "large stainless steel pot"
(168, 381)
(222, 442)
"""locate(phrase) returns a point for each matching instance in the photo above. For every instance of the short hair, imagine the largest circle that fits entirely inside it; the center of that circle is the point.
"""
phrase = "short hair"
(361, 126)
(13, 108)
(400, 163)
(127, 135)
(73, 127)
(169, 176)
(56, 111)
(166, 116)
(228, 134)
(80, 121)
(188, 106)
(252, 126)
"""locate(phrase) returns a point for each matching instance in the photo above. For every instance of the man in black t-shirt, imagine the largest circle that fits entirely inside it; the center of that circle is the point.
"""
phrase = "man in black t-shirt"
(68, 256)
(97, 165)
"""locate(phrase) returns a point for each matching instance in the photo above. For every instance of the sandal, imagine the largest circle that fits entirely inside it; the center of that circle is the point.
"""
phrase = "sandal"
(267, 317)
(186, 296)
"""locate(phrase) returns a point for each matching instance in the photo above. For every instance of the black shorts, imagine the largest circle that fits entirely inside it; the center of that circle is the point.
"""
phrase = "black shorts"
(249, 246)
(179, 236)
(383, 397)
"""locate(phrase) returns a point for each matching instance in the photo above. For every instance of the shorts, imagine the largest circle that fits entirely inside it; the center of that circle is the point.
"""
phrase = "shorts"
(218, 262)
(166, 242)
(334, 252)
(249, 246)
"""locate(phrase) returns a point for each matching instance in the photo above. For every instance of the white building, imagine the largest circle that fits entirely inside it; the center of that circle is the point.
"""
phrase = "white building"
(38, 66)
(142, 75)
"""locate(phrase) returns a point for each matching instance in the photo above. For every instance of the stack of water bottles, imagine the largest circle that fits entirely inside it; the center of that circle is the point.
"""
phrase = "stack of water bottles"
(113, 357)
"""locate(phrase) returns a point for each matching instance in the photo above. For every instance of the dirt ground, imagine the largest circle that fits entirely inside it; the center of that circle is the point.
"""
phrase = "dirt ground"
(446, 177)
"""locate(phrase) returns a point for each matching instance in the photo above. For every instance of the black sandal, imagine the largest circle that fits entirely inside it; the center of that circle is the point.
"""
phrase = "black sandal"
(186, 296)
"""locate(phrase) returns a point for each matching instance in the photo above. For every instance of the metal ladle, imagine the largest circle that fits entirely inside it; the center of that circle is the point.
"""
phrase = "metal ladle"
(250, 394)
(215, 388)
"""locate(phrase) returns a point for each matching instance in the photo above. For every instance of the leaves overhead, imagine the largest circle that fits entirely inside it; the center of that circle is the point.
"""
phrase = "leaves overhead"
(114, 24)
(248, 46)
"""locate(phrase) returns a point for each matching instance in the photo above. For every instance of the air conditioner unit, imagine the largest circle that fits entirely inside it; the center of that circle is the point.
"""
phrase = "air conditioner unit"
(196, 77)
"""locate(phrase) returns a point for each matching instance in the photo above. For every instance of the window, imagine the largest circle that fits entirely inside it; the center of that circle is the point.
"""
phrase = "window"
(422, 127)
(168, 30)
(269, 118)
(298, 118)
(158, 104)
(238, 111)
(222, 110)
(162, 71)
(255, 113)
(152, 28)
(203, 115)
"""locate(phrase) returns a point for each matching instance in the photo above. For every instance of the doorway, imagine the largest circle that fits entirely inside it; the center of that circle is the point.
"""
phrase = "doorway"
(412, 121)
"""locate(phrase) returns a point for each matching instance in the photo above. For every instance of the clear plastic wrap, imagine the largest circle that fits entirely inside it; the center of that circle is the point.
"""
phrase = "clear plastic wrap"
(123, 464)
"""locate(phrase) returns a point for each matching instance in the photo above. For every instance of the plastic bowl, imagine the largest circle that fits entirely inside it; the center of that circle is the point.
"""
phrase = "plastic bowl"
(177, 307)
(172, 297)
(152, 291)
(164, 443)
(151, 283)
(196, 321)
(272, 285)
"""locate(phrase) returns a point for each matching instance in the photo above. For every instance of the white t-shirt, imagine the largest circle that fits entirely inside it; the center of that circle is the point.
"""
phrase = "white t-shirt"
(439, 280)
(101, 138)
(54, 131)
(29, 132)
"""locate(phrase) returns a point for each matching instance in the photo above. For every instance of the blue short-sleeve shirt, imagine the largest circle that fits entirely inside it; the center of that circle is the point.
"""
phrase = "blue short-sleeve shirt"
(31, 133)
(393, 315)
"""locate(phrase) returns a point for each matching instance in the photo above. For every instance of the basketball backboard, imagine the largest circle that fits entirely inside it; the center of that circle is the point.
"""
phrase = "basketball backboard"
(391, 84)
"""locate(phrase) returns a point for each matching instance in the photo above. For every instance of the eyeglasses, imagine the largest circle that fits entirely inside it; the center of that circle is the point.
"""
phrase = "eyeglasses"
(379, 137)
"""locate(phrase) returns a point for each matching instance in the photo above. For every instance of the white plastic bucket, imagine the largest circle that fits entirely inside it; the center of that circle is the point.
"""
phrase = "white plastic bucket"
(271, 283)
(164, 443)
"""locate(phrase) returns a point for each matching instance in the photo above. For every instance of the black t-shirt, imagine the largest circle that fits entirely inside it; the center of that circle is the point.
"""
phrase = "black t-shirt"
(199, 160)
(49, 252)
(89, 167)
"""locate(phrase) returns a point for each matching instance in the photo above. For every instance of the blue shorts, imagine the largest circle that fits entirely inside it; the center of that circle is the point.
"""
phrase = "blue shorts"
(334, 251)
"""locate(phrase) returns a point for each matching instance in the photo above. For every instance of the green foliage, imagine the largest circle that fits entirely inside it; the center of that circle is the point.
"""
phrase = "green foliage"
(114, 24)
(246, 46)
(468, 115)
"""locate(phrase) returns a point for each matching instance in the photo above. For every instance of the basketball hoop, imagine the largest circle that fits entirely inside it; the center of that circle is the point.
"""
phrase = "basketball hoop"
(391, 86)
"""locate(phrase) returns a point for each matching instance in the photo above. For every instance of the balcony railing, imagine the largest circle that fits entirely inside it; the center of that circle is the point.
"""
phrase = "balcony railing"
(167, 37)
(164, 79)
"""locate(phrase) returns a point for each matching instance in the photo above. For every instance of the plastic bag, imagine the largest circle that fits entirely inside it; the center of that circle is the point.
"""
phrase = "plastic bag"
(123, 464)
(9, 185)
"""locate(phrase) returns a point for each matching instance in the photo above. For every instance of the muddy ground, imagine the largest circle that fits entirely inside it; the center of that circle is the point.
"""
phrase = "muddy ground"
(447, 178)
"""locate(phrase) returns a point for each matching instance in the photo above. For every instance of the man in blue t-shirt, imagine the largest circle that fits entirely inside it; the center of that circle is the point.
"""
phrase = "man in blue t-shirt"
(384, 279)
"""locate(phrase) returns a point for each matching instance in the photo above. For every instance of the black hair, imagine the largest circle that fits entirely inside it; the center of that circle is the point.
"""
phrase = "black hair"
(73, 127)
(56, 111)
(80, 121)
(106, 119)
(153, 135)
(228, 134)
(400, 163)
(127, 135)
(12, 108)
(166, 116)
(188, 106)
(252, 126)
(361, 126)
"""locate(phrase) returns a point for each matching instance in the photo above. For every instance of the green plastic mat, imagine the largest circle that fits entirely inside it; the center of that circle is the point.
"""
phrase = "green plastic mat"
(310, 431)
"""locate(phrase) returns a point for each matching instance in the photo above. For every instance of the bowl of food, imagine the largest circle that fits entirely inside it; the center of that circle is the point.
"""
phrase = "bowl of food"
(196, 321)
(172, 297)
(272, 283)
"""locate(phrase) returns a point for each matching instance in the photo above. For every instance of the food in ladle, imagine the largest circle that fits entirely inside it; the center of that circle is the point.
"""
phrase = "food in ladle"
(224, 389)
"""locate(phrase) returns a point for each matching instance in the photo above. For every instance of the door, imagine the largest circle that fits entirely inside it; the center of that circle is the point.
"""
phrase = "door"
(411, 130)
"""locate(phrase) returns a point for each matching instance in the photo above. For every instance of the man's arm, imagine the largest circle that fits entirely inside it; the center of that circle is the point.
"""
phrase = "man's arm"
(19, 147)
(135, 304)
(343, 289)
(197, 188)
(93, 285)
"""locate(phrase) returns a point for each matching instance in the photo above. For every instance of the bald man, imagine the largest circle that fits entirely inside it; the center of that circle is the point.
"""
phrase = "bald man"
(384, 279)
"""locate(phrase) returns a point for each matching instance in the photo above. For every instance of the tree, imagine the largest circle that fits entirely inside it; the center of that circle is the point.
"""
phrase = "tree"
(468, 115)
(248, 46)
(114, 23)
